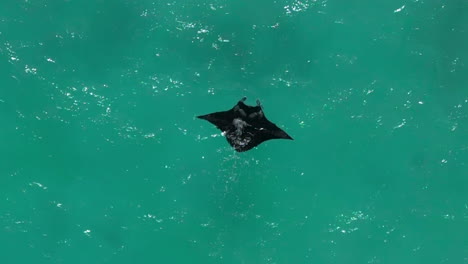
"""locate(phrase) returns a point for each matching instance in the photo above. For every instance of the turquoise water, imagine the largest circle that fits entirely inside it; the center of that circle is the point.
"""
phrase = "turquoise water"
(103, 160)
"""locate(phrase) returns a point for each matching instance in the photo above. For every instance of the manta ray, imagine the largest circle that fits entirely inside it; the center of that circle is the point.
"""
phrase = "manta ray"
(244, 126)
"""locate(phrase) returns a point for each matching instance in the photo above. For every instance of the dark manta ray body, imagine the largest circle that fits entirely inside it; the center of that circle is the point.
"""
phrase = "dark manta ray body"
(245, 126)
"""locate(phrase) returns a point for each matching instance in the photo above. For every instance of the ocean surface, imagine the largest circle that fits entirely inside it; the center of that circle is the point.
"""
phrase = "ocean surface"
(103, 161)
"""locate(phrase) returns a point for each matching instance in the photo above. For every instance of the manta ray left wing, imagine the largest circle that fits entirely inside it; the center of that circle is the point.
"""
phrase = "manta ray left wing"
(220, 119)
(245, 127)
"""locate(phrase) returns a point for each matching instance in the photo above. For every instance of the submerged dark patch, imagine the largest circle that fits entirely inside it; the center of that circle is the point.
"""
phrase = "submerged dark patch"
(244, 126)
